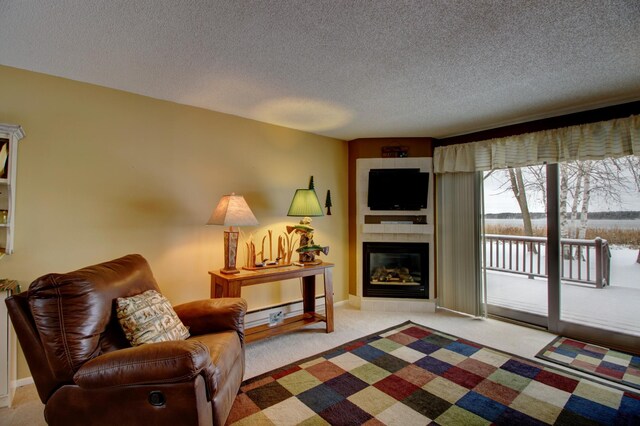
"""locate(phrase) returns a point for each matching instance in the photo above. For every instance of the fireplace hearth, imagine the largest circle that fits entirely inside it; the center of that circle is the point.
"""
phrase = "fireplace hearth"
(396, 270)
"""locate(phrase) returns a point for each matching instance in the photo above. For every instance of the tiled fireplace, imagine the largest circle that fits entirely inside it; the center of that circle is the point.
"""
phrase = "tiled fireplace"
(395, 249)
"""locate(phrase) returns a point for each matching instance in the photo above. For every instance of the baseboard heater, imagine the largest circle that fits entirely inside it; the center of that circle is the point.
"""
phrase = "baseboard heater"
(263, 315)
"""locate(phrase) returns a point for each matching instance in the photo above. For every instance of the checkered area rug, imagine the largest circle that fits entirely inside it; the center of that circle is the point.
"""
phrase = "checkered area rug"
(413, 375)
(612, 365)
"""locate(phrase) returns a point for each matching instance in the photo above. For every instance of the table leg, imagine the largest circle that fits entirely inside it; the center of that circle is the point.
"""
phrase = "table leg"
(328, 298)
(223, 288)
(309, 294)
(233, 289)
(218, 288)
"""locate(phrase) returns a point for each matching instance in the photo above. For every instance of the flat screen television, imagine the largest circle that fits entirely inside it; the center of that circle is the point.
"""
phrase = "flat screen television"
(397, 189)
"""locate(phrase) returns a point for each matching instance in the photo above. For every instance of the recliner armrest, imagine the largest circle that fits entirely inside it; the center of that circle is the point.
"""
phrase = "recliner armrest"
(163, 362)
(212, 315)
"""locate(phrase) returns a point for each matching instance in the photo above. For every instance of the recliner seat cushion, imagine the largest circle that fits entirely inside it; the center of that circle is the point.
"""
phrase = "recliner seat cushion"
(74, 312)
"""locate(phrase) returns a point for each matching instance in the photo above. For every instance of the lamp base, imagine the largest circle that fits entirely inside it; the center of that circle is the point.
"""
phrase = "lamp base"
(308, 263)
(308, 259)
(230, 250)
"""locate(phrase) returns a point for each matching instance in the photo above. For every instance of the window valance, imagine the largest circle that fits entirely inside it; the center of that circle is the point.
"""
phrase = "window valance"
(593, 141)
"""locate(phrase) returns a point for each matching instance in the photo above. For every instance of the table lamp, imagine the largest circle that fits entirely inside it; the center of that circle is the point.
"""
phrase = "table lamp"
(305, 204)
(232, 210)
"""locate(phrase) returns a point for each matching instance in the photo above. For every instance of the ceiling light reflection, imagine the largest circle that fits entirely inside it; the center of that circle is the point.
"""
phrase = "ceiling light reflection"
(303, 114)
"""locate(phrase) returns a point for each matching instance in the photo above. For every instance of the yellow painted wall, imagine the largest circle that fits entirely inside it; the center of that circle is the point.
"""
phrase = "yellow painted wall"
(103, 173)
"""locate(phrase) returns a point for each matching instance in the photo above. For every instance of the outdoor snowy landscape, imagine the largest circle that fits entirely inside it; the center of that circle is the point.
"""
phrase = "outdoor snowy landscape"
(598, 199)
(612, 307)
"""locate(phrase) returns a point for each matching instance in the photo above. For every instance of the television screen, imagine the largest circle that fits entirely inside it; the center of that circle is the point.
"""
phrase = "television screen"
(397, 189)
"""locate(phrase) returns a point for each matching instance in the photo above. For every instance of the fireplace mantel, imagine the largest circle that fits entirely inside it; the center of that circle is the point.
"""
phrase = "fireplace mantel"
(411, 230)
(396, 228)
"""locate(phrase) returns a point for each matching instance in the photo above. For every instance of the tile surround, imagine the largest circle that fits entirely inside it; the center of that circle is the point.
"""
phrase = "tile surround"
(392, 233)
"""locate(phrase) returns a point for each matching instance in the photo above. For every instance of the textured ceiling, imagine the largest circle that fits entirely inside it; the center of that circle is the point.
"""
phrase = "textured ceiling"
(345, 69)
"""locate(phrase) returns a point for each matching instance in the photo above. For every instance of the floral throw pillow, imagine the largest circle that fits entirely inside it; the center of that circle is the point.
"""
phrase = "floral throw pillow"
(149, 318)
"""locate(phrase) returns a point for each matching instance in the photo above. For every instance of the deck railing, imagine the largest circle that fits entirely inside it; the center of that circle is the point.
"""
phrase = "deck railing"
(585, 261)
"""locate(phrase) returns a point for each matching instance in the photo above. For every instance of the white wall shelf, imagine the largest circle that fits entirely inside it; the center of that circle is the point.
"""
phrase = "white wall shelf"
(9, 136)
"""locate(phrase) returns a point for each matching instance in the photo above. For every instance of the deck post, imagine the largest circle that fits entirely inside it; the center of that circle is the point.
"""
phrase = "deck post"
(598, 248)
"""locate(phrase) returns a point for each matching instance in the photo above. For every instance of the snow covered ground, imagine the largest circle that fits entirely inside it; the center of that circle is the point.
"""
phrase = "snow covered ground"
(612, 308)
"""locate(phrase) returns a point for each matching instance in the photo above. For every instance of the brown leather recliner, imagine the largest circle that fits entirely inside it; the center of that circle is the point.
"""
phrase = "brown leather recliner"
(87, 373)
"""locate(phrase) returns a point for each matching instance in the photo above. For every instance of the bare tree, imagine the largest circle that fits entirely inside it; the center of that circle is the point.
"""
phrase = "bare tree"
(537, 183)
(564, 189)
(632, 164)
(580, 182)
(576, 190)
(519, 191)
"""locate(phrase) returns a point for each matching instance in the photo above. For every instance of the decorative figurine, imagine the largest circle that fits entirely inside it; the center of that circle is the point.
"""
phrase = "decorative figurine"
(262, 259)
(308, 249)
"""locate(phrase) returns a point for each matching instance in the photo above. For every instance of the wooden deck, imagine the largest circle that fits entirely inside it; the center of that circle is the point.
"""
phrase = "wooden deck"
(587, 261)
(614, 307)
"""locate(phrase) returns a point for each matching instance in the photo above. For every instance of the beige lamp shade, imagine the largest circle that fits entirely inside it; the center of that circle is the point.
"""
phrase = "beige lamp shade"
(305, 203)
(232, 210)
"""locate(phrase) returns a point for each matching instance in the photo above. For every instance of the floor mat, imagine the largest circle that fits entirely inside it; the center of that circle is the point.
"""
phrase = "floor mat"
(620, 367)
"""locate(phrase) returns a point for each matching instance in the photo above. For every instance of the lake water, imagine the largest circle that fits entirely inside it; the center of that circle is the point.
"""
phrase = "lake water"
(595, 223)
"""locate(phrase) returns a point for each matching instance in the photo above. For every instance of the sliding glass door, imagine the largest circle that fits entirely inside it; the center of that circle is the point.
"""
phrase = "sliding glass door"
(515, 234)
(562, 248)
(599, 228)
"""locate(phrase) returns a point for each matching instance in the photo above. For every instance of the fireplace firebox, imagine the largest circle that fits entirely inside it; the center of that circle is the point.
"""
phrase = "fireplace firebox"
(396, 270)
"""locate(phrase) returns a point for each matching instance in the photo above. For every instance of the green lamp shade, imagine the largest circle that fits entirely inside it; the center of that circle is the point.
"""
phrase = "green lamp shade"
(305, 203)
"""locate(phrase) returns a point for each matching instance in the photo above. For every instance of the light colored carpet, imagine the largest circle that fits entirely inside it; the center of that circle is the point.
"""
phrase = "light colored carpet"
(26, 409)
(350, 324)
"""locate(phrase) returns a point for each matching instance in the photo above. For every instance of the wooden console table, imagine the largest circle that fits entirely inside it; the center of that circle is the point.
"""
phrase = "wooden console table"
(230, 285)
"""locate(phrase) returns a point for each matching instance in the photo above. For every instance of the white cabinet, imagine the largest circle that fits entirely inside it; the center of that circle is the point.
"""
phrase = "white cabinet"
(7, 347)
(9, 137)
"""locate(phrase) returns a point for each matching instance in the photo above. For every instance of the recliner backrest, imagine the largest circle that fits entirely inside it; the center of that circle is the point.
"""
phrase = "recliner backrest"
(22, 321)
(74, 312)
